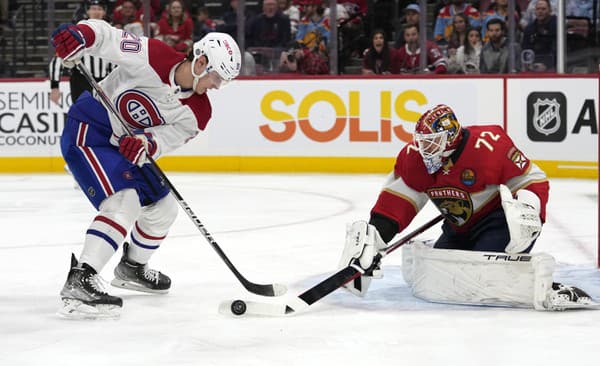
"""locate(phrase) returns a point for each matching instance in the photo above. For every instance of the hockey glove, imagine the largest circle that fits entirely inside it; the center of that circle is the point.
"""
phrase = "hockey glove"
(68, 41)
(135, 148)
(363, 245)
(523, 218)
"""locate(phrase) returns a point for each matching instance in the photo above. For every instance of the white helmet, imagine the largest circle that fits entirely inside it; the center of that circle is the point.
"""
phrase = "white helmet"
(223, 56)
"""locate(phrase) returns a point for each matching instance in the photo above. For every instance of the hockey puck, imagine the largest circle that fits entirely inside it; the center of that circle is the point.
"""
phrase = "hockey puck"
(238, 307)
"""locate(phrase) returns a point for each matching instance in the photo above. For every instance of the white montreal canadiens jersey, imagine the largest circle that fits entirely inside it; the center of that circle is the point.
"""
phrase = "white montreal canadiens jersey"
(142, 87)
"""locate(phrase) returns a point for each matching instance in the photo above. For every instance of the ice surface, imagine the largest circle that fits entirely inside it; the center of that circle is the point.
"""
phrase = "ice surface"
(275, 228)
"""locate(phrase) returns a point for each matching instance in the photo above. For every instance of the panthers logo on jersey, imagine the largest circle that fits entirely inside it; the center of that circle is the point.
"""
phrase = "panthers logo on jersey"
(454, 204)
(138, 109)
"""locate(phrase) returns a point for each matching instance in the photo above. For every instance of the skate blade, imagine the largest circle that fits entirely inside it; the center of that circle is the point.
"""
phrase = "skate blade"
(130, 285)
(77, 310)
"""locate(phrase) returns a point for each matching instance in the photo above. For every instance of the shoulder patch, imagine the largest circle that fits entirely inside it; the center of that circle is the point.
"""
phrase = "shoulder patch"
(517, 158)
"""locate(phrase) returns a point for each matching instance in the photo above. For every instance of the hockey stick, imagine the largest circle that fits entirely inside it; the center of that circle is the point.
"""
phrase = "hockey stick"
(320, 290)
(255, 288)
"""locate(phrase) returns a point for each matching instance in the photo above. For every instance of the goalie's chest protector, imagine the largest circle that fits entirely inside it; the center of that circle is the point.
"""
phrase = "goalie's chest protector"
(465, 188)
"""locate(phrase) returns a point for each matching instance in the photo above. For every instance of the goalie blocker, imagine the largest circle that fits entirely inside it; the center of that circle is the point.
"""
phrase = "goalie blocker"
(487, 278)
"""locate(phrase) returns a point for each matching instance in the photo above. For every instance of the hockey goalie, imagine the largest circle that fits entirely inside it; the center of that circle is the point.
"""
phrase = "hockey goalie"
(493, 201)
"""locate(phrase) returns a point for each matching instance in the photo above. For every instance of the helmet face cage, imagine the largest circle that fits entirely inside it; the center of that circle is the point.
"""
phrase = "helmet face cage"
(222, 54)
(436, 136)
(431, 147)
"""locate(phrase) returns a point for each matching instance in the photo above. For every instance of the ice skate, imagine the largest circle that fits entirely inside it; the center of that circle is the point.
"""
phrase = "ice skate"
(84, 297)
(563, 297)
(139, 277)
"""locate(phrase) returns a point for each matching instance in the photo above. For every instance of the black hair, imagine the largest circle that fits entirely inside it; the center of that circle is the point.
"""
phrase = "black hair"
(495, 21)
(89, 3)
(372, 56)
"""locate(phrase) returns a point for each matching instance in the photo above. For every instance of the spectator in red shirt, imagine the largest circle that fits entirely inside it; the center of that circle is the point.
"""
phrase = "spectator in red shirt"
(155, 8)
(409, 55)
(125, 14)
(175, 29)
(304, 61)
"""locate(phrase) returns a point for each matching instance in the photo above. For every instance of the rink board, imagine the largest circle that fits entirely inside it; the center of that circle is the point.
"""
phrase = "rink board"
(334, 125)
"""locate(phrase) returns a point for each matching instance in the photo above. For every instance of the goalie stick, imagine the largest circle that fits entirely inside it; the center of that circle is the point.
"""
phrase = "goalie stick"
(303, 301)
(255, 288)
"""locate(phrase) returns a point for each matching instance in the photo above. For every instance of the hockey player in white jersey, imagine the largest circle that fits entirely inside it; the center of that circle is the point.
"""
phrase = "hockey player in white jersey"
(161, 94)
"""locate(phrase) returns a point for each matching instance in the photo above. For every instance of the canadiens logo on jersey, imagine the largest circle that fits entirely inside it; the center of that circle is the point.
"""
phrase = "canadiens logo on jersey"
(138, 109)
(454, 204)
(517, 157)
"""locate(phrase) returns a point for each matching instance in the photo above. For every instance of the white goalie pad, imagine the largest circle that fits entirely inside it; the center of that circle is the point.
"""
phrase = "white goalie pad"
(477, 278)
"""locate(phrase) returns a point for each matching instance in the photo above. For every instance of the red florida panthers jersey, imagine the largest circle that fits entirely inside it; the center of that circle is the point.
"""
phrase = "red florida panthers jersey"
(466, 188)
(409, 61)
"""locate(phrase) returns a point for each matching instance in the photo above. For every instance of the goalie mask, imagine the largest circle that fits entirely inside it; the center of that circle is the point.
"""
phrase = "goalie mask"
(222, 54)
(436, 135)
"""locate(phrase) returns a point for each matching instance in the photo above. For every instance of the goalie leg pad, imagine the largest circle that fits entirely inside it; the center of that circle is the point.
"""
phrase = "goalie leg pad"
(477, 278)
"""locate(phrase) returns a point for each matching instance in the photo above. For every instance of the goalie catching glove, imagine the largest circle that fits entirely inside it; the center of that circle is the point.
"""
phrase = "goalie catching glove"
(523, 218)
(363, 245)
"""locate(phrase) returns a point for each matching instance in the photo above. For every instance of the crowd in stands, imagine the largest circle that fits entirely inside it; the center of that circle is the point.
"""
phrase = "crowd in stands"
(292, 36)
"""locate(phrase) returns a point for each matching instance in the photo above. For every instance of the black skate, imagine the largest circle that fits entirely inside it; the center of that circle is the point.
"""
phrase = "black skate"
(139, 277)
(563, 297)
(84, 297)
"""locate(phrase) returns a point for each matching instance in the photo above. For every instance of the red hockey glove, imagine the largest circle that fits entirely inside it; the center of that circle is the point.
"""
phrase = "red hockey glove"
(134, 148)
(68, 40)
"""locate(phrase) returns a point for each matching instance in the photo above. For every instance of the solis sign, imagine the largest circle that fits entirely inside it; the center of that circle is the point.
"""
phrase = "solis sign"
(289, 117)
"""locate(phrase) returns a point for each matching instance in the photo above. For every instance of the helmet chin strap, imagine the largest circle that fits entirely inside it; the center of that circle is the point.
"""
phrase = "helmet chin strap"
(196, 76)
(195, 83)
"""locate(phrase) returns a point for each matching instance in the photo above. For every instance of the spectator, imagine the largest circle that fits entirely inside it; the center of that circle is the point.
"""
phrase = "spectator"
(412, 14)
(126, 13)
(409, 55)
(379, 58)
(202, 24)
(494, 54)
(466, 58)
(314, 26)
(445, 17)
(498, 9)
(175, 29)
(156, 8)
(529, 13)
(306, 61)
(292, 11)
(271, 28)
(540, 37)
(458, 34)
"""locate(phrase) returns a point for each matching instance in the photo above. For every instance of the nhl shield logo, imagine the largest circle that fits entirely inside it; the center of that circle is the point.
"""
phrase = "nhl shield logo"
(546, 116)
(546, 119)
